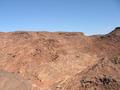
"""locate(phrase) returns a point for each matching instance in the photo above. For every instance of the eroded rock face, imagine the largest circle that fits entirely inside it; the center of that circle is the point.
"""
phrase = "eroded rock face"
(60, 61)
(104, 75)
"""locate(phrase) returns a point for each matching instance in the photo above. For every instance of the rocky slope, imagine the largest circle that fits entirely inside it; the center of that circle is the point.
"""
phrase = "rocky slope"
(59, 61)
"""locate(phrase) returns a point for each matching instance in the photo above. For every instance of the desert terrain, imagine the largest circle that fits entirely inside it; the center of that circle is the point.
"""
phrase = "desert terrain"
(59, 61)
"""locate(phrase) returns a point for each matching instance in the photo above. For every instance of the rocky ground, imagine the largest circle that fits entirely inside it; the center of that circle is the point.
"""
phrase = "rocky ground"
(59, 61)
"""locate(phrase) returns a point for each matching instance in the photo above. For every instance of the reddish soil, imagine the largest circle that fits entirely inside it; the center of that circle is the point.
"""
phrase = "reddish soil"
(59, 61)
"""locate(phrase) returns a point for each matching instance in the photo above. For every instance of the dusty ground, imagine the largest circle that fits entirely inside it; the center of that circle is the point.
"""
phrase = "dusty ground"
(59, 61)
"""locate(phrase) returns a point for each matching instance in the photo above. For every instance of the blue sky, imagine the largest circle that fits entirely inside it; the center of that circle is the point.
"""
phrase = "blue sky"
(88, 16)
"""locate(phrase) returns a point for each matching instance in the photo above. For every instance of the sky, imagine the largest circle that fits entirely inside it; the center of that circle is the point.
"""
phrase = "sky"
(88, 16)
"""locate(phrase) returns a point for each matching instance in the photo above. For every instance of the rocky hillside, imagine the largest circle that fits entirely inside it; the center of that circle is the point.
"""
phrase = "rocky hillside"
(59, 61)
